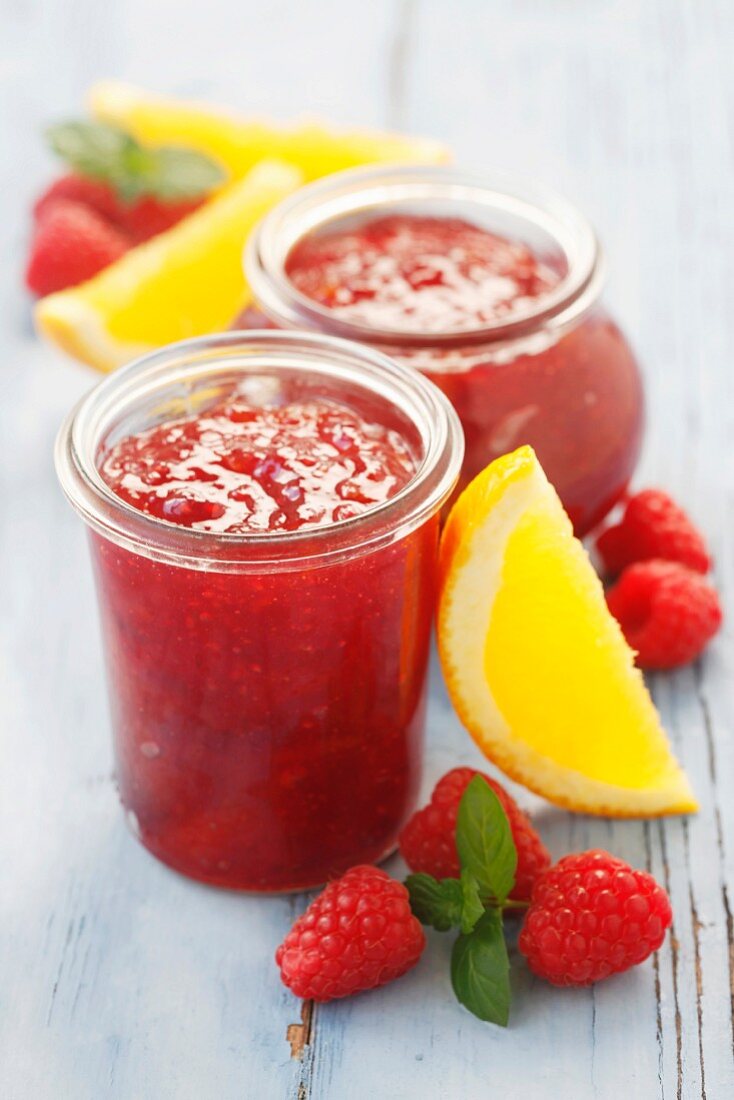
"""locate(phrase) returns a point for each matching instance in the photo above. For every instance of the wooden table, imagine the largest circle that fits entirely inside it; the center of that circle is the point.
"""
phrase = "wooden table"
(117, 977)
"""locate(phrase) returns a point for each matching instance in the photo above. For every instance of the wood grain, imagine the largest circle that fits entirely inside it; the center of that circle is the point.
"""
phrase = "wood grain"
(120, 979)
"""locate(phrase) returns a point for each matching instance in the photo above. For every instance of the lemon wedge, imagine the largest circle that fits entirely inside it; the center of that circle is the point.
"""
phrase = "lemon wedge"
(238, 143)
(536, 667)
(185, 282)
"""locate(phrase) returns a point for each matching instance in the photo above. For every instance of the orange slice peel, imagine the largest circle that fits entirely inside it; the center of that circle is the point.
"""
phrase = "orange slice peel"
(536, 667)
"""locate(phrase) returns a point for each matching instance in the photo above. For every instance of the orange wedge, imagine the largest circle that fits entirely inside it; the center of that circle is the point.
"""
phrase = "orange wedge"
(237, 143)
(537, 669)
(185, 282)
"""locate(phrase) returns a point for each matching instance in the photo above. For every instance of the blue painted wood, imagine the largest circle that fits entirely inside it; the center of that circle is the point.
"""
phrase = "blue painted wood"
(121, 979)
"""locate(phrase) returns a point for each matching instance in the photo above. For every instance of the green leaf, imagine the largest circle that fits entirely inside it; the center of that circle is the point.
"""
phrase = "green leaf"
(480, 970)
(185, 174)
(107, 153)
(471, 903)
(438, 904)
(91, 148)
(484, 840)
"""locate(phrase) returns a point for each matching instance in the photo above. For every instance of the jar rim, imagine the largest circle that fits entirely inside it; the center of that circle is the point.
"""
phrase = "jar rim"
(259, 351)
(361, 190)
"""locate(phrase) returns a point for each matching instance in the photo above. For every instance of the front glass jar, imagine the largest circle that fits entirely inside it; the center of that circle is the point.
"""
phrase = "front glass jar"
(267, 686)
(491, 288)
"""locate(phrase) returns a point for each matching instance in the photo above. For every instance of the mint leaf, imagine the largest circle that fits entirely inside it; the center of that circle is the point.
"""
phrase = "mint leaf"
(480, 970)
(91, 148)
(471, 903)
(107, 153)
(185, 174)
(484, 840)
(446, 904)
(438, 904)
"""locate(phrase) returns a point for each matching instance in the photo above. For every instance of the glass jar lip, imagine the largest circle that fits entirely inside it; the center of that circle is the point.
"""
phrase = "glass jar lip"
(360, 190)
(259, 350)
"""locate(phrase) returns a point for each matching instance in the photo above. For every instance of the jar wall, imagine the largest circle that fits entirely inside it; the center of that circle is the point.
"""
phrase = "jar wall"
(267, 687)
(268, 727)
(577, 400)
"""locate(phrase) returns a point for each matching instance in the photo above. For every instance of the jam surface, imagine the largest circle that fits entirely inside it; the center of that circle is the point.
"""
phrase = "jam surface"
(239, 468)
(427, 274)
(267, 722)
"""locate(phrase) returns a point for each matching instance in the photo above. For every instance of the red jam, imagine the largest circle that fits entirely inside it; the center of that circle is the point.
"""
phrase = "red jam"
(268, 722)
(240, 468)
(406, 273)
(573, 393)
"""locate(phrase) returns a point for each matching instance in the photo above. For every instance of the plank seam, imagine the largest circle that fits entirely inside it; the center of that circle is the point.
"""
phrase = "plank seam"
(299, 1035)
(696, 928)
(399, 61)
(674, 964)
(656, 970)
(720, 847)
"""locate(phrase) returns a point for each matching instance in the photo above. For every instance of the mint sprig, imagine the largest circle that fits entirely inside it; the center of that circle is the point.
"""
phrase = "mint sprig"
(446, 903)
(474, 903)
(109, 154)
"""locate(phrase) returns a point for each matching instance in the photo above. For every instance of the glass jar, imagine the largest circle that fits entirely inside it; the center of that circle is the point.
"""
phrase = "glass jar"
(556, 373)
(267, 690)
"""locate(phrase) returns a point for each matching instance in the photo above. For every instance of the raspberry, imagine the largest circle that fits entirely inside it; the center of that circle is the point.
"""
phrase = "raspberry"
(428, 842)
(359, 933)
(93, 194)
(653, 526)
(71, 244)
(592, 915)
(139, 220)
(667, 613)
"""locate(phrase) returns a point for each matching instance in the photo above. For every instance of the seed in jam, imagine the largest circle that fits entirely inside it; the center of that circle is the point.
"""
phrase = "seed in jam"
(237, 467)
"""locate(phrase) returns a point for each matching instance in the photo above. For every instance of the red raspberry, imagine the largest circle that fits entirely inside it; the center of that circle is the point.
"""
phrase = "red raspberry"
(93, 194)
(139, 220)
(428, 841)
(592, 915)
(653, 526)
(667, 613)
(71, 244)
(357, 934)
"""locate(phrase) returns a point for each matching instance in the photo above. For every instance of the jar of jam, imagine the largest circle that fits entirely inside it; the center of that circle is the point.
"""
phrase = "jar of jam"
(263, 516)
(488, 286)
